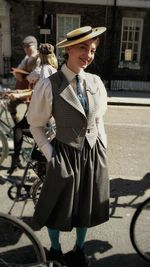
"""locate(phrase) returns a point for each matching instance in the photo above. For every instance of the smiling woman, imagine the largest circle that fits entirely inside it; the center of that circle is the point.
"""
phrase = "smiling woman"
(76, 189)
(82, 54)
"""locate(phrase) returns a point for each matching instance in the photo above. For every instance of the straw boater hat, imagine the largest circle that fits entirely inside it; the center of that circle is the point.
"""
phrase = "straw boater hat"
(80, 35)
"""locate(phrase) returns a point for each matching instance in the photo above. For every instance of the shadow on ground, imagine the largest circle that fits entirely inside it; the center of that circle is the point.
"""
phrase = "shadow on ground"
(94, 250)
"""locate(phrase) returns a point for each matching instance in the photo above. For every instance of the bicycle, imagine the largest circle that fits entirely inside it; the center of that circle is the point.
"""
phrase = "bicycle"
(19, 246)
(35, 190)
(6, 132)
(41, 166)
(140, 230)
(27, 186)
(22, 189)
(4, 150)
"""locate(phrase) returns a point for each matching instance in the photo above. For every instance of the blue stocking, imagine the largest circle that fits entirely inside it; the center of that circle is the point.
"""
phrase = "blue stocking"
(81, 234)
(54, 237)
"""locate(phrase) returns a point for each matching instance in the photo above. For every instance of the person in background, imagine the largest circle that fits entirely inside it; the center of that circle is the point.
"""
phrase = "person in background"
(26, 66)
(75, 192)
(47, 67)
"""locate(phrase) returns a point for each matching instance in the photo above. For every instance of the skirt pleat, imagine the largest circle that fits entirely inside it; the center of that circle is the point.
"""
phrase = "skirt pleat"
(75, 192)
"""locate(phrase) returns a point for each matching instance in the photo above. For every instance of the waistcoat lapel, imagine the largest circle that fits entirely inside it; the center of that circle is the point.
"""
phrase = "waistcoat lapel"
(90, 95)
(67, 92)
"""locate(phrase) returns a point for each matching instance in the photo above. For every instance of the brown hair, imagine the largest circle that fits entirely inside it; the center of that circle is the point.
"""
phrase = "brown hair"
(47, 55)
(49, 59)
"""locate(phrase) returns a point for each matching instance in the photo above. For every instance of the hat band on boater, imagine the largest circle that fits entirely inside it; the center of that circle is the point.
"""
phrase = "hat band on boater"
(79, 36)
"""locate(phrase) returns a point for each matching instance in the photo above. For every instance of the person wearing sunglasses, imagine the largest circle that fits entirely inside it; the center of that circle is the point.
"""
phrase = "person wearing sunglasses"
(21, 73)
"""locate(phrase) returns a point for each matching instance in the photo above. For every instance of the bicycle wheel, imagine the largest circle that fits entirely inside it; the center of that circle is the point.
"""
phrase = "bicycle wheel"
(19, 245)
(36, 190)
(16, 192)
(3, 147)
(140, 230)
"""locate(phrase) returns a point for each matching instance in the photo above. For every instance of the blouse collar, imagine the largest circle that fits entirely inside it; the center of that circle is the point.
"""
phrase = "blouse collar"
(70, 75)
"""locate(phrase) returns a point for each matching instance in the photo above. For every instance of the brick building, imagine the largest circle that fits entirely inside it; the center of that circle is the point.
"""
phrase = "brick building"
(123, 57)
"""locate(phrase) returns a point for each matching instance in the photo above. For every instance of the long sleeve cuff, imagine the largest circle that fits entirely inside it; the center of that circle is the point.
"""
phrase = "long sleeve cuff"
(47, 150)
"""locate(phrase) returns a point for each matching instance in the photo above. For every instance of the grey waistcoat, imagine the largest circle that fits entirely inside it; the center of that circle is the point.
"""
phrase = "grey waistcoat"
(72, 124)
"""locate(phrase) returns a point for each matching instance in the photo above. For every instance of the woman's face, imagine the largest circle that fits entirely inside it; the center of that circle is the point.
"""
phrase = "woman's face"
(81, 55)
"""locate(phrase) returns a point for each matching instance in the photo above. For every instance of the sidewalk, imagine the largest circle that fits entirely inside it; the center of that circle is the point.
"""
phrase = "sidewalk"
(128, 98)
(115, 97)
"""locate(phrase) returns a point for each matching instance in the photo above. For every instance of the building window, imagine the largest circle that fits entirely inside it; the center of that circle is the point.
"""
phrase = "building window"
(131, 38)
(65, 24)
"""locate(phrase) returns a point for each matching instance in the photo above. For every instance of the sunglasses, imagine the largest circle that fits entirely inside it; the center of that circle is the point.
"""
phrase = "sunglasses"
(26, 45)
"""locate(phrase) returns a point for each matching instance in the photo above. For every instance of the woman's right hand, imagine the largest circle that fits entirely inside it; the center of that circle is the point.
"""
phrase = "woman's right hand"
(47, 150)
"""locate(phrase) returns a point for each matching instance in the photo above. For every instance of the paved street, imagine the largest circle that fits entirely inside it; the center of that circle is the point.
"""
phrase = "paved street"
(108, 245)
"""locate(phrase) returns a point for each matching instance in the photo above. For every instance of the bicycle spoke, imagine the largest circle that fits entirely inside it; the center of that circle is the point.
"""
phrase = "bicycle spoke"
(36, 190)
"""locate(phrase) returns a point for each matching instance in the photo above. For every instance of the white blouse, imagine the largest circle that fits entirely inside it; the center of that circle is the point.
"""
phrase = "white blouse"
(40, 72)
(40, 109)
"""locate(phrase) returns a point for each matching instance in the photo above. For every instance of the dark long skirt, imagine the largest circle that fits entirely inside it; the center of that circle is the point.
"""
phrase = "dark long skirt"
(75, 192)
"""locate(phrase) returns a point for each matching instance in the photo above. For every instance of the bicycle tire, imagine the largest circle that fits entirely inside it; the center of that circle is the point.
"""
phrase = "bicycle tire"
(4, 150)
(36, 190)
(19, 194)
(14, 234)
(140, 230)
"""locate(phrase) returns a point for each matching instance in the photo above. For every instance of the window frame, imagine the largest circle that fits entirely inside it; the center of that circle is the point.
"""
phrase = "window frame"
(131, 64)
(61, 51)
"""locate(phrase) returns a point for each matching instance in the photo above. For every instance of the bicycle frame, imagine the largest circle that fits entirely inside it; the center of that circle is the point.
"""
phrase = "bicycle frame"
(6, 127)
(23, 188)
